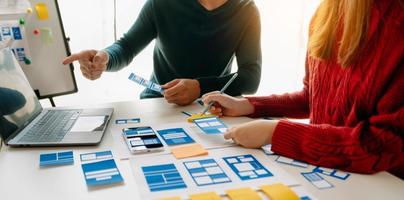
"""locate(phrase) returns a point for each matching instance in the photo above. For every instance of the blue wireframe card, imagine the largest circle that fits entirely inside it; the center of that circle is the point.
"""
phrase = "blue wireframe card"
(163, 177)
(211, 125)
(206, 172)
(247, 167)
(332, 172)
(317, 180)
(52, 159)
(127, 121)
(292, 162)
(99, 168)
(148, 84)
(175, 136)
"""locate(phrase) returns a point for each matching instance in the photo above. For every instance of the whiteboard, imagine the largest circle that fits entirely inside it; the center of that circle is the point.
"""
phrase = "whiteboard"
(46, 73)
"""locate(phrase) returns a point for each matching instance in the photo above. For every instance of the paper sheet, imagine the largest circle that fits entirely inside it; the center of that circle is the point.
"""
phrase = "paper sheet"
(14, 6)
(243, 194)
(209, 172)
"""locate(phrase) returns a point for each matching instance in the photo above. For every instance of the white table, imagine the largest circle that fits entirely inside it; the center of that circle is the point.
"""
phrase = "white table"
(21, 177)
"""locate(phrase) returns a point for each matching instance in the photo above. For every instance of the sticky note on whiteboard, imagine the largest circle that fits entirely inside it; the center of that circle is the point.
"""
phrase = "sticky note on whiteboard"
(46, 35)
(42, 11)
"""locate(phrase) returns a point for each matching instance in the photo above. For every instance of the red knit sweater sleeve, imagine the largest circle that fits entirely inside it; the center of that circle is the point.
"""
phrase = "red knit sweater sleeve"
(294, 105)
(375, 144)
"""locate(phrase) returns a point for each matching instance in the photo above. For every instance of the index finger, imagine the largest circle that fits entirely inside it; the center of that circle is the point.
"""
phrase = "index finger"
(212, 98)
(71, 58)
(229, 135)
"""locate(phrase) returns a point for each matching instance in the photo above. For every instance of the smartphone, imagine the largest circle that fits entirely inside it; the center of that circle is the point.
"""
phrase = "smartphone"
(142, 139)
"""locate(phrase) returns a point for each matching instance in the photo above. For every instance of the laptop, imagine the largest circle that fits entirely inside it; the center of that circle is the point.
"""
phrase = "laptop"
(23, 121)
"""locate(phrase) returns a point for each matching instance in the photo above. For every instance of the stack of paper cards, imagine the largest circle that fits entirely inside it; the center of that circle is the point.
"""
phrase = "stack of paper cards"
(292, 162)
(247, 167)
(175, 136)
(127, 121)
(148, 84)
(99, 168)
(211, 125)
(317, 180)
(51, 159)
(267, 149)
(332, 172)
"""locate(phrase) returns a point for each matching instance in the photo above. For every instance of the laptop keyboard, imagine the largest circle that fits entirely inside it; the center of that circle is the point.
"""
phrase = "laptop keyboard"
(52, 127)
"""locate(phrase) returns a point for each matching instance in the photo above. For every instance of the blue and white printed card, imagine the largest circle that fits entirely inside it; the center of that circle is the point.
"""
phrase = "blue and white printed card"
(332, 172)
(99, 168)
(247, 167)
(211, 125)
(175, 136)
(127, 121)
(292, 162)
(317, 180)
(148, 84)
(52, 159)
(206, 172)
(163, 177)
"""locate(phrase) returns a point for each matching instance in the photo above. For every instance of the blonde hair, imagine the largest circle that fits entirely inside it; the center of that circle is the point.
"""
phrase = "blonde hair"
(345, 20)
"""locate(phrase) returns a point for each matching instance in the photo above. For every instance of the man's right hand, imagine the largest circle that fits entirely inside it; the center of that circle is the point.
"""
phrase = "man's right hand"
(92, 62)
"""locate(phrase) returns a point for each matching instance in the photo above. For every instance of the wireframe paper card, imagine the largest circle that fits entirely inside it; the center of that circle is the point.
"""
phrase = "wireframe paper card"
(52, 159)
(175, 136)
(317, 180)
(99, 168)
(292, 162)
(211, 125)
(148, 84)
(332, 172)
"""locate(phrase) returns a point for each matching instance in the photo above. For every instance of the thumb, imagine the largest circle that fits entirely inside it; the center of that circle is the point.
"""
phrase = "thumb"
(101, 57)
(171, 83)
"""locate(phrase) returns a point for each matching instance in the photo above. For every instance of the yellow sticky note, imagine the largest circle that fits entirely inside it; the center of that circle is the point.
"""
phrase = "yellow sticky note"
(199, 115)
(188, 151)
(279, 191)
(171, 198)
(243, 194)
(42, 11)
(205, 196)
(46, 35)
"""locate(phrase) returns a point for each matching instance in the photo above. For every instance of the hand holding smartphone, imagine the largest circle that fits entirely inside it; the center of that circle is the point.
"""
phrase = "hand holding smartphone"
(142, 139)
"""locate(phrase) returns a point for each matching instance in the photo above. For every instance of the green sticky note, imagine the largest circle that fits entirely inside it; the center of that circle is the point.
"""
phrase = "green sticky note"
(46, 35)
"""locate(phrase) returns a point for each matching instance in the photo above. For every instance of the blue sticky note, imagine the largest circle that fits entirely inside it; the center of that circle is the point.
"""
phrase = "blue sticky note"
(317, 180)
(163, 177)
(332, 172)
(247, 167)
(52, 159)
(206, 172)
(211, 125)
(101, 173)
(175, 136)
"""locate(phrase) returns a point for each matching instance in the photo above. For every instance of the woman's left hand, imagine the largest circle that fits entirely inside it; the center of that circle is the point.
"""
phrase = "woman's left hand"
(253, 134)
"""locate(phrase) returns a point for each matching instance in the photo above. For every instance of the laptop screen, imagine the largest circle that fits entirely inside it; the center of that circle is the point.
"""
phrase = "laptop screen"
(18, 102)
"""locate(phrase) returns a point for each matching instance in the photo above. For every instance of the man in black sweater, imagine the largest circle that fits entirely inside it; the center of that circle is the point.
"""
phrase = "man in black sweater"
(196, 41)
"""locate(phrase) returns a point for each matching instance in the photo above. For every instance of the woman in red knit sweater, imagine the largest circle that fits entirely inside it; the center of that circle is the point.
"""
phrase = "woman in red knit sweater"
(353, 93)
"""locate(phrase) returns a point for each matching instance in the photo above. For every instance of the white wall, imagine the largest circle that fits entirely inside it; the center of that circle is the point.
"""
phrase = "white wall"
(89, 24)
